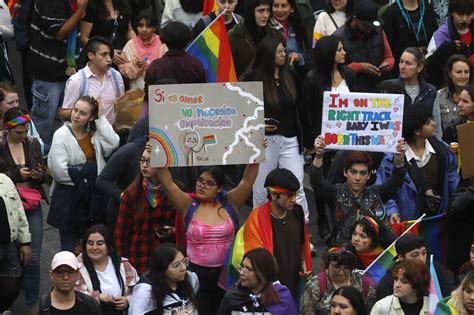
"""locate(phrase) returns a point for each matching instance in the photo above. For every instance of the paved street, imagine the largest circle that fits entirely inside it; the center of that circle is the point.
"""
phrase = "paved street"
(50, 234)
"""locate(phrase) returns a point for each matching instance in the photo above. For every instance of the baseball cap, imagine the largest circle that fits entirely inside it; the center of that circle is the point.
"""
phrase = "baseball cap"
(64, 258)
(366, 11)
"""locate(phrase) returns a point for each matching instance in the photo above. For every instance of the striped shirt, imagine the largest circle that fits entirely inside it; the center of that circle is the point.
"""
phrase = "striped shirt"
(47, 55)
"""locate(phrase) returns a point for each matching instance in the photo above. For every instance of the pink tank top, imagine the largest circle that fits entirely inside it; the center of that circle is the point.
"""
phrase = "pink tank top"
(207, 245)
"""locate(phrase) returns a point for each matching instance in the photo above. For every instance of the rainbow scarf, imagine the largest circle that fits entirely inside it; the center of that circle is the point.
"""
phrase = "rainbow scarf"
(20, 120)
(366, 258)
(256, 232)
(153, 193)
(71, 45)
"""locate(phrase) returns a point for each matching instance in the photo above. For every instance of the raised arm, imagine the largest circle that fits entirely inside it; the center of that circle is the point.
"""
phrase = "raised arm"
(239, 194)
(179, 198)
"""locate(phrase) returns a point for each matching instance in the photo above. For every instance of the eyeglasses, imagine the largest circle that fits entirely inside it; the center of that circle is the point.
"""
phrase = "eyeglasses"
(290, 195)
(282, 51)
(245, 270)
(144, 161)
(361, 173)
(205, 183)
(340, 268)
(61, 273)
(184, 262)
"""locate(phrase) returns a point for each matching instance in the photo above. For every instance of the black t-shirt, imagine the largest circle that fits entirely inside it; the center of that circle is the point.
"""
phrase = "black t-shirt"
(288, 235)
(412, 309)
(78, 309)
(4, 225)
(106, 28)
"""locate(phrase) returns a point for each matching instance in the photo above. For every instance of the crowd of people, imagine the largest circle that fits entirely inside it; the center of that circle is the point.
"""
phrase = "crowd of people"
(136, 239)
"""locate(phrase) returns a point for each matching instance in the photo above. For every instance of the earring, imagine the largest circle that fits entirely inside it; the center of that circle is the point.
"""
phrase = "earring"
(88, 127)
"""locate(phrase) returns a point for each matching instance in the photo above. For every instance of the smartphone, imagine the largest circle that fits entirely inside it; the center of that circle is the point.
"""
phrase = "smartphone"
(383, 67)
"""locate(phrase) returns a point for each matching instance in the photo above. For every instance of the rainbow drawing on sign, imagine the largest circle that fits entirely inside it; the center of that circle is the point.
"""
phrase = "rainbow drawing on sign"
(208, 140)
(163, 139)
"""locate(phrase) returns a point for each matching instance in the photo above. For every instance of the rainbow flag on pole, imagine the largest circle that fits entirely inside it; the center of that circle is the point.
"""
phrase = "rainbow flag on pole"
(212, 49)
(209, 6)
(379, 267)
(435, 291)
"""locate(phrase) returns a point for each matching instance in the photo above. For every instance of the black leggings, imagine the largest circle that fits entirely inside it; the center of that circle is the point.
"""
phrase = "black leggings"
(210, 294)
(9, 289)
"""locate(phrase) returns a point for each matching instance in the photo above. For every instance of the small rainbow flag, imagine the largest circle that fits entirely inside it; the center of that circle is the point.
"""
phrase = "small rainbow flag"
(209, 6)
(379, 267)
(209, 140)
(212, 49)
(444, 307)
(435, 291)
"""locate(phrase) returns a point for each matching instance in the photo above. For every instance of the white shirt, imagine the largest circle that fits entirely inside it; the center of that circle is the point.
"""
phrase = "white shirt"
(342, 87)
(423, 160)
(108, 280)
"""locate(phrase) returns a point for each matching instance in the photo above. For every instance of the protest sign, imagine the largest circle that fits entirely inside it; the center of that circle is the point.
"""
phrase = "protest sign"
(206, 124)
(362, 121)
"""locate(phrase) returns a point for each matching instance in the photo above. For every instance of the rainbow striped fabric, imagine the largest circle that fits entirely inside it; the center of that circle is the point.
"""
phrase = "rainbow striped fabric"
(209, 6)
(444, 307)
(212, 49)
(208, 140)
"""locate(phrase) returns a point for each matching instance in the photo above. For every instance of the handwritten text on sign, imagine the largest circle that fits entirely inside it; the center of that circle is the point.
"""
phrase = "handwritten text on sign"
(362, 121)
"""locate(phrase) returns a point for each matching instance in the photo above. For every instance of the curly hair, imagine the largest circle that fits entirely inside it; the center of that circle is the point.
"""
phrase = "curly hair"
(415, 273)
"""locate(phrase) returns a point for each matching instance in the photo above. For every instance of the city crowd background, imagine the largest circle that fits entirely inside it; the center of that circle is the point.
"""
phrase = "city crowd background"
(291, 235)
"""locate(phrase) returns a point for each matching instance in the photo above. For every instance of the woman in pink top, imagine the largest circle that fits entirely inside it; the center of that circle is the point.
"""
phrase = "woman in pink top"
(142, 49)
(211, 221)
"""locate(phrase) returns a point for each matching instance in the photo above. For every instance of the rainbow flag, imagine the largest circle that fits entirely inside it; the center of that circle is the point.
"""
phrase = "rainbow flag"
(435, 291)
(212, 49)
(434, 231)
(209, 6)
(209, 140)
(444, 307)
(256, 232)
(379, 267)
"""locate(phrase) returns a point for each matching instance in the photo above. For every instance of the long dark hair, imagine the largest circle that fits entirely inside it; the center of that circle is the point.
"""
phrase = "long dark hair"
(298, 25)
(257, 33)
(354, 297)
(349, 9)
(264, 67)
(102, 13)
(116, 260)
(449, 66)
(266, 269)
(162, 256)
(136, 188)
(192, 6)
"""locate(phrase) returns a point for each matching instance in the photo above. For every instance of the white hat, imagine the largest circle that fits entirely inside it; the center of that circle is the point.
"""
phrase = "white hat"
(65, 258)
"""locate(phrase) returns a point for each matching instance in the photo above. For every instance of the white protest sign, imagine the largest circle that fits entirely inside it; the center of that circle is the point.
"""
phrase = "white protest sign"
(206, 124)
(362, 121)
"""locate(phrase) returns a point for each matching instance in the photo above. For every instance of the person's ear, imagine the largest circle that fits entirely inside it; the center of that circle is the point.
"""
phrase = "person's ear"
(345, 173)
(90, 55)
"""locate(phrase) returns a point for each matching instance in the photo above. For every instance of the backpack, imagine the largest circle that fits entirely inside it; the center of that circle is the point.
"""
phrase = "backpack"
(85, 83)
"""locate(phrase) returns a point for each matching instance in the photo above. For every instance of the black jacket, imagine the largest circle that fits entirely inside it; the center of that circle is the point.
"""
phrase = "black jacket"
(43, 306)
(426, 96)
(450, 133)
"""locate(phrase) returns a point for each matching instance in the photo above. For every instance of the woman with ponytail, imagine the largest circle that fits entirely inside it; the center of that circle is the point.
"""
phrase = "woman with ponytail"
(258, 290)
(105, 276)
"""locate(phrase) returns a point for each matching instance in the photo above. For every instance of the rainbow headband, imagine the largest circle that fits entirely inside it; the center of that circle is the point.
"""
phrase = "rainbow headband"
(277, 189)
(337, 250)
(20, 120)
(373, 223)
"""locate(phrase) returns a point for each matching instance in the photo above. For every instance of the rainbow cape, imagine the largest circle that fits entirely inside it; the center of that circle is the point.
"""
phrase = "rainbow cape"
(209, 6)
(256, 232)
(434, 291)
(212, 49)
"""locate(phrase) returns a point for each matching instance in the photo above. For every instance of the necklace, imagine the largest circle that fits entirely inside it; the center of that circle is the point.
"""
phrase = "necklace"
(282, 218)
(277, 81)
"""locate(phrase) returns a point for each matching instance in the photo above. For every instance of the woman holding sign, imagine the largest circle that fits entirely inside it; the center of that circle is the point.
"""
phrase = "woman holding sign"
(210, 223)
(282, 117)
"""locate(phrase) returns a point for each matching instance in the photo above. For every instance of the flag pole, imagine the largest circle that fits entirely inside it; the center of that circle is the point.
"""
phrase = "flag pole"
(386, 249)
(210, 24)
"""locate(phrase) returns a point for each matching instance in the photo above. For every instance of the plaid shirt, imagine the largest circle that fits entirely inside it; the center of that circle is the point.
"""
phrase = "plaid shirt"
(135, 236)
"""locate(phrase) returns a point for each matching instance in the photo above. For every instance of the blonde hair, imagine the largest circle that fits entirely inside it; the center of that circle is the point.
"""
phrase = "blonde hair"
(456, 300)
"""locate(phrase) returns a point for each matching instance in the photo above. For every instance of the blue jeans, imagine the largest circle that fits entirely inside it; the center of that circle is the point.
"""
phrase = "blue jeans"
(47, 97)
(31, 272)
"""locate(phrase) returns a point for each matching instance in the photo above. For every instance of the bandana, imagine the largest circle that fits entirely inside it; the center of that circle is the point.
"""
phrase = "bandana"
(373, 223)
(277, 189)
(20, 120)
(153, 193)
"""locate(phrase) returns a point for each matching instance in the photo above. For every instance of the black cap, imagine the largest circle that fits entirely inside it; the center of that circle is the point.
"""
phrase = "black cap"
(366, 11)
(408, 242)
(283, 178)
